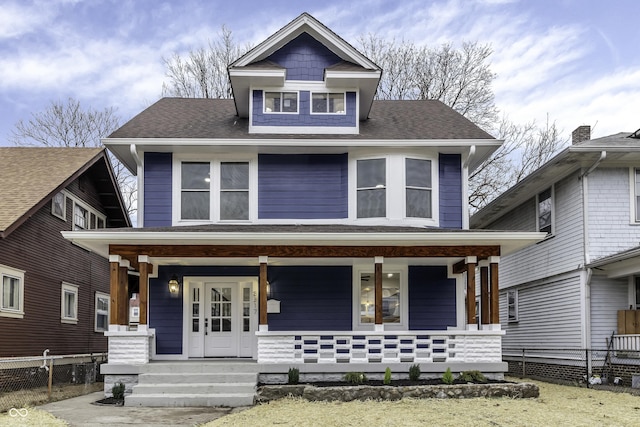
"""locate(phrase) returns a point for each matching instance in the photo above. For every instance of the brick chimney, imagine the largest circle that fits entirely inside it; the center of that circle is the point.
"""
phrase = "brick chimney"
(582, 133)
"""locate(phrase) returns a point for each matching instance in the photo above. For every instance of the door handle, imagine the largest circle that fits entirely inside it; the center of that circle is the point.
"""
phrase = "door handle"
(206, 326)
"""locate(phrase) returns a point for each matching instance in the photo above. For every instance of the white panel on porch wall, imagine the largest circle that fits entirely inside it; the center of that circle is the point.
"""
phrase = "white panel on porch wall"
(607, 297)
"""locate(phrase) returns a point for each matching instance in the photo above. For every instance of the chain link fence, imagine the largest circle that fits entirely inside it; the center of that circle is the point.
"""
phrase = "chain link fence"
(615, 370)
(30, 381)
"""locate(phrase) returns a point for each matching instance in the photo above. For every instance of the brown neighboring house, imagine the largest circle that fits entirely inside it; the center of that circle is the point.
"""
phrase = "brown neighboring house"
(54, 295)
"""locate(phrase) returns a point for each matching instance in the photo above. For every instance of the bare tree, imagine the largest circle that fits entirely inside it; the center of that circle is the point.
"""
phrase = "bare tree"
(203, 73)
(67, 124)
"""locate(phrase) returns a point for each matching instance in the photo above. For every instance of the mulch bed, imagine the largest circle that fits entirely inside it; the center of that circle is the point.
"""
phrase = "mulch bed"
(110, 401)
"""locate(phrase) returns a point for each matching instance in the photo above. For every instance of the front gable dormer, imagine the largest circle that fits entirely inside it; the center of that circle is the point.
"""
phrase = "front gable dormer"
(306, 80)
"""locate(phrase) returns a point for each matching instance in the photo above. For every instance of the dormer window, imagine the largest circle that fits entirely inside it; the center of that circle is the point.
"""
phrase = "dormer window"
(332, 103)
(281, 102)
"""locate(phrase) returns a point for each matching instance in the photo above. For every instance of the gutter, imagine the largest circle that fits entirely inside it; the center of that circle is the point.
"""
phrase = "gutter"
(139, 182)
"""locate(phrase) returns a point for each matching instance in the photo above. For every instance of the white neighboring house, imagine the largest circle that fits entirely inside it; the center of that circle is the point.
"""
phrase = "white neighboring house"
(580, 287)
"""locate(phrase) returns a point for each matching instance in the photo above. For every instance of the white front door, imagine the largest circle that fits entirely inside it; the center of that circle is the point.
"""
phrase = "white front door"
(221, 317)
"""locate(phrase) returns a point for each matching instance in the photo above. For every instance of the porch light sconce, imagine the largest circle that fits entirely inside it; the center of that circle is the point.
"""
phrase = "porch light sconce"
(174, 285)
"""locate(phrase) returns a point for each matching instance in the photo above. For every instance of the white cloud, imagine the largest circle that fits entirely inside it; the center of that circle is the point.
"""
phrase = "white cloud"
(18, 19)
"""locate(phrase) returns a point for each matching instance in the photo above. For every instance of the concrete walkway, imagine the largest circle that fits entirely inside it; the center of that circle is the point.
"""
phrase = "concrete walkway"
(81, 412)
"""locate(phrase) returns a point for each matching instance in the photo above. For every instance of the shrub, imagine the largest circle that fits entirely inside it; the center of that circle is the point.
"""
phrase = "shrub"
(293, 376)
(472, 377)
(447, 377)
(355, 377)
(118, 391)
(414, 372)
(387, 376)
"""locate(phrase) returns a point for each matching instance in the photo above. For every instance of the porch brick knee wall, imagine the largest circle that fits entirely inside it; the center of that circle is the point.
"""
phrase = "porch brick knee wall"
(481, 349)
(128, 349)
(561, 372)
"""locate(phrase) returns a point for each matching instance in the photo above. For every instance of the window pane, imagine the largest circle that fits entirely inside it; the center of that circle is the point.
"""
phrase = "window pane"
(371, 173)
(391, 298)
(58, 205)
(10, 293)
(272, 102)
(372, 203)
(367, 298)
(194, 205)
(544, 211)
(319, 103)
(234, 205)
(103, 304)
(80, 217)
(195, 176)
(290, 102)
(69, 305)
(226, 325)
(418, 173)
(418, 203)
(234, 176)
(336, 103)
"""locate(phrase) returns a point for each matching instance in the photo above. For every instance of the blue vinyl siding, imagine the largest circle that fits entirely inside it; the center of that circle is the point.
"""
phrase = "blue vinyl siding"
(432, 298)
(305, 58)
(311, 298)
(304, 116)
(157, 189)
(450, 170)
(165, 311)
(302, 186)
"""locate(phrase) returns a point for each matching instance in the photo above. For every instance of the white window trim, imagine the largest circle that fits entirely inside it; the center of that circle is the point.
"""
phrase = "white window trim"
(516, 318)
(90, 211)
(403, 270)
(68, 287)
(635, 191)
(96, 312)
(327, 113)
(395, 189)
(17, 274)
(214, 204)
(64, 206)
(553, 210)
(281, 91)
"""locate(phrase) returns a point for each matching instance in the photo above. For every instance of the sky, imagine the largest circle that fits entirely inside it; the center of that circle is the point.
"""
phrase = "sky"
(574, 62)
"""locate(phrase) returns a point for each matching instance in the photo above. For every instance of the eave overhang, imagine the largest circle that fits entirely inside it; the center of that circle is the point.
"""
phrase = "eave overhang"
(267, 144)
(622, 264)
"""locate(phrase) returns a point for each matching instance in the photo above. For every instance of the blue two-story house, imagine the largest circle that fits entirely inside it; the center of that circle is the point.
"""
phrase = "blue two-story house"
(304, 224)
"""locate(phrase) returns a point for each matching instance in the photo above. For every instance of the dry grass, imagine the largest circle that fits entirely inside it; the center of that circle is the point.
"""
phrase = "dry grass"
(30, 417)
(557, 405)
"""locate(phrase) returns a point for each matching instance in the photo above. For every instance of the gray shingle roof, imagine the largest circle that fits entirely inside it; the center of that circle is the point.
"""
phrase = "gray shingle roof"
(216, 119)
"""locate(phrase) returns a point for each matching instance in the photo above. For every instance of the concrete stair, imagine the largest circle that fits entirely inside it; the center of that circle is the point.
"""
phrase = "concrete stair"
(195, 383)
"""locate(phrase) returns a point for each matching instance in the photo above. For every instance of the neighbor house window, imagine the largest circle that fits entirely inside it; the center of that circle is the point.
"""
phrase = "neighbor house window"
(280, 102)
(327, 103)
(196, 188)
(234, 191)
(12, 292)
(512, 305)
(59, 205)
(69, 303)
(102, 312)
(545, 211)
(418, 188)
(637, 194)
(371, 188)
(80, 217)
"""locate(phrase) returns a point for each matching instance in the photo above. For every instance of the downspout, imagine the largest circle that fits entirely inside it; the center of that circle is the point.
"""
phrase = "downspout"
(587, 272)
(139, 184)
(465, 187)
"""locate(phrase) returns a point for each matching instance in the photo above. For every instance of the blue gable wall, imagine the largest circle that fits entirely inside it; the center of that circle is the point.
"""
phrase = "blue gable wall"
(165, 310)
(305, 58)
(432, 298)
(302, 186)
(311, 298)
(157, 189)
(304, 116)
(450, 191)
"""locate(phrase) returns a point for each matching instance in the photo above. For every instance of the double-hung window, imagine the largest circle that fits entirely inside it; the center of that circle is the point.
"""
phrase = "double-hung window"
(327, 103)
(418, 188)
(281, 102)
(69, 303)
(80, 217)
(512, 305)
(195, 190)
(636, 194)
(214, 191)
(11, 292)
(59, 206)
(102, 312)
(545, 211)
(371, 188)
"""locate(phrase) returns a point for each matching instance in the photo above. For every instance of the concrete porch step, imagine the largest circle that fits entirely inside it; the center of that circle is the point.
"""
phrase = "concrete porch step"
(197, 367)
(199, 388)
(183, 378)
(186, 400)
